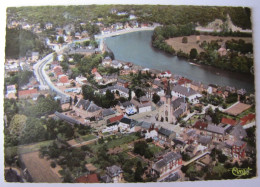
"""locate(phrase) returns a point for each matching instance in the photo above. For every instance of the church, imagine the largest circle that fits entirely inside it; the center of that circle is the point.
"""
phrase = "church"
(171, 110)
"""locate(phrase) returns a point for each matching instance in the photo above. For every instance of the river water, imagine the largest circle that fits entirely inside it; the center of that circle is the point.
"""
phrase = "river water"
(136, 48)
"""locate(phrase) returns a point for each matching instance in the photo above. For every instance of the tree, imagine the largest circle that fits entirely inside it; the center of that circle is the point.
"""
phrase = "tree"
(54, 57)
(138, 172)
(185, 40)
(33, 131)
(193, 53)
(60, 40)
(156, 98)
(17, 124)
(75, 100)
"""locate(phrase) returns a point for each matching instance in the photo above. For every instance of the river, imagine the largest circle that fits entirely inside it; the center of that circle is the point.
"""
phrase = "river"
(136, 48)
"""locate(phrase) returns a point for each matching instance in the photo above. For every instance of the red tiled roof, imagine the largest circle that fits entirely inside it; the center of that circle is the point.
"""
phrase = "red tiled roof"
(183, 81)
(92, 178)
(94, 70)
(247, 118)
(114, 119)
(228, 121)
(27, 92)
(200, 125)
(64, 79)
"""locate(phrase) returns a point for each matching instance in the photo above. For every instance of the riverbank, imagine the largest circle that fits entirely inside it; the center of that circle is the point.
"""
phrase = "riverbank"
(139, 51)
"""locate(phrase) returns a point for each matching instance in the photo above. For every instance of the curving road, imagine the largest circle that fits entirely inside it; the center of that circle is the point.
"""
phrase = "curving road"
(43, 78)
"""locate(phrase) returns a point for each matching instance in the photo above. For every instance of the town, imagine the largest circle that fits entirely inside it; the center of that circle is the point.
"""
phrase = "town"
(74, 113)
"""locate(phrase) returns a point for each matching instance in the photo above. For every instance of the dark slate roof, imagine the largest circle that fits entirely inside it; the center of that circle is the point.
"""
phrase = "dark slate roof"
(126, 104)
(165, 132)
(87, 105)
(126, 121)
(66, 118)
(238, 131)
(108, 112)
(215, 129)
(106, 179)
(239, 143)
(177, 102)
(190, 148)
(145, 125)
(178, 112)
(178, 142)
(184, 91)
(122, 81)
(114, 171)
(144, 99)
(166, 159)
(204, 140)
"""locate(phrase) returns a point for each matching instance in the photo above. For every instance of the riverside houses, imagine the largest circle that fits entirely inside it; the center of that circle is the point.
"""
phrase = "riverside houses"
(168, 164)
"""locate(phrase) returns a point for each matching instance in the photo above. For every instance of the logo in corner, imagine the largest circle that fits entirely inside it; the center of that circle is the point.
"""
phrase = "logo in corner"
(238, 172)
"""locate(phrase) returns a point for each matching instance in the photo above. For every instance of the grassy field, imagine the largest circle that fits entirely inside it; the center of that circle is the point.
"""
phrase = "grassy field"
(177, 44)
(116, 142)
(154, 149)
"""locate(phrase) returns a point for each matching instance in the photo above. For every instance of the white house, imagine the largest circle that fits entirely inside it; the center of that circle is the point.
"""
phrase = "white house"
(167, 74)
(81, 80)
(181, 91)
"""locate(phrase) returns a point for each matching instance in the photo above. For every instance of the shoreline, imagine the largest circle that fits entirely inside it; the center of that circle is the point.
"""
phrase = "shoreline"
(219, 73)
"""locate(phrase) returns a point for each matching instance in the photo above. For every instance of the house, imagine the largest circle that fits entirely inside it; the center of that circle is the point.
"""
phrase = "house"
(228, 121)
(179, 145)
(114, 174)
(190, 94)
(11, 89)
(63, 79)
(81, 80)
(168, 164)
(35, 56)
(91, 178)
(87, 109)
(126, 123)
(184, 82)
(247, 119)
(115, 64)
(107, 61)
(48, 25)
(67, 118)
(107, 79)
(123, 83)
(129, 108)
(238, 149)
(222, 51)
(106, 113)
(123, 92)
(31, 93)
(165, 135)
(114, 120)
(166, 74)
(143, 105)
